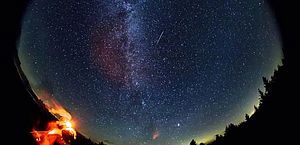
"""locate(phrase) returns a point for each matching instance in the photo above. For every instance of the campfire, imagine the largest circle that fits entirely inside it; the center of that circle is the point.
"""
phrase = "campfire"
(61, 131)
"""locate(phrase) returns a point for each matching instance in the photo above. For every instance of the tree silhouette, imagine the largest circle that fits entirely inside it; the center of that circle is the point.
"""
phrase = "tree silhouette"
(247, 117)
(270, 121)
(193, 142)
(230, 128)
(255, 108)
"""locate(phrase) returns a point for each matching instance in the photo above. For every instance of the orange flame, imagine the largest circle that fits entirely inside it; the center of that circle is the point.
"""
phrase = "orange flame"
(55, 129)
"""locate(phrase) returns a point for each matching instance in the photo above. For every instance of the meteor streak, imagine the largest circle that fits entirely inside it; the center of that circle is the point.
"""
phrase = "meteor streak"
(159, 37)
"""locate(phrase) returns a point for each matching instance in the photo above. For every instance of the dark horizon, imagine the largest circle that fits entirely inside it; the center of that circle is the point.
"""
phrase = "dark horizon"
(280, 10)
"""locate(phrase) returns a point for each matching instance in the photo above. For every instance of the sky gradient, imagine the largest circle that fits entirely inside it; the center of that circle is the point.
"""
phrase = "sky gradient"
(139, 72)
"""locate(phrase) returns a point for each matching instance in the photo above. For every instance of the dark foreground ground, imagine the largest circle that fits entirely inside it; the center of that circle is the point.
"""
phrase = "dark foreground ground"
(277, 123)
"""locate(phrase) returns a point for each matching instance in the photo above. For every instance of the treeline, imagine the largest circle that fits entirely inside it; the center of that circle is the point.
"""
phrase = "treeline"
(272, 121)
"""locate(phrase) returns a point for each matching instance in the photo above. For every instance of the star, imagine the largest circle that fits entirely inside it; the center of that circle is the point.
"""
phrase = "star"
(153, 72)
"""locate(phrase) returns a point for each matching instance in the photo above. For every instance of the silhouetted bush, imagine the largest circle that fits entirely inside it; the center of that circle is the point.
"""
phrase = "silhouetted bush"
(193, 142)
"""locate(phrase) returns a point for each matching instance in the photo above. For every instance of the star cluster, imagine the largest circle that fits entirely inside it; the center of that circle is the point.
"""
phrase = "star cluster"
(150, 72)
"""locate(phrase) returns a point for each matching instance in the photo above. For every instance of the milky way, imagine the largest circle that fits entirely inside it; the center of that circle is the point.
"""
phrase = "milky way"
(135, 72)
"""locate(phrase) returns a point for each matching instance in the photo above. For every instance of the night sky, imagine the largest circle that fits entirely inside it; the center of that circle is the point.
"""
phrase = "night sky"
(160, 72)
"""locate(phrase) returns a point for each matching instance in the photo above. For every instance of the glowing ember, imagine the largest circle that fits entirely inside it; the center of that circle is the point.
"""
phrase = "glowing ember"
(61, 131)
(55, 133)
(68, 124)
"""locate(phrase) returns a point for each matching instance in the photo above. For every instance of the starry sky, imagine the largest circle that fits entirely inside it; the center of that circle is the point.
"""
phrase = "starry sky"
(145, 72)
